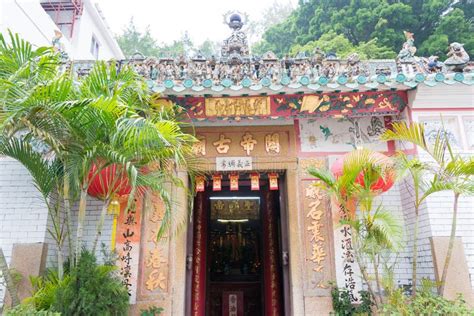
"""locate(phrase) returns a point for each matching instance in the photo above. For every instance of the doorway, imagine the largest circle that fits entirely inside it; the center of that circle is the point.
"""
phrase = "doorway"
(237, 250)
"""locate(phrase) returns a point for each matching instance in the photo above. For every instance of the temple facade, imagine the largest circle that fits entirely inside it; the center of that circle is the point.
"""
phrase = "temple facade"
(260, 239)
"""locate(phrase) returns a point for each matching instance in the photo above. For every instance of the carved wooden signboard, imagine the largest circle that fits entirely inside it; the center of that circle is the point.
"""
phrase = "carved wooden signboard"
(350, 104)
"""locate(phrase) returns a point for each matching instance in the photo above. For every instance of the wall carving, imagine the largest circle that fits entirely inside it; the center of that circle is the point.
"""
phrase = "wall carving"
(316, 239)
(154, 262)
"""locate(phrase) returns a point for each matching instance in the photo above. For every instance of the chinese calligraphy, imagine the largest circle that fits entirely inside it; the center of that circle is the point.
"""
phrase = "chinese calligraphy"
(248, 143)
(233, 163)
(199, 148)
(222, 145)
(126, 258)
(272, 143)
(229, 107)
(315, 215)
(155, 258)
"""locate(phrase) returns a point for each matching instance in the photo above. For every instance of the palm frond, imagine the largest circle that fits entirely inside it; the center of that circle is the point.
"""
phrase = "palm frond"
(45, 174)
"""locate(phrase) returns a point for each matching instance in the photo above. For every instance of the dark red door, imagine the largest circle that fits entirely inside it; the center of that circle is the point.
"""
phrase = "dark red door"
(236, 255)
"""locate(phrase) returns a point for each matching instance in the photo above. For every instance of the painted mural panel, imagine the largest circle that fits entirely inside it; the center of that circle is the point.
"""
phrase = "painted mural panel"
(433, 124)
(341, 135)
(469, 130)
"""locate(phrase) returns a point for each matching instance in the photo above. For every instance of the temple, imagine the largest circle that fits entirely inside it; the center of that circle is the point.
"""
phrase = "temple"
(261, 239)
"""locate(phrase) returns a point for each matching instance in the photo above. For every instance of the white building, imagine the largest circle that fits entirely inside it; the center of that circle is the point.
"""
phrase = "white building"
(86, 35)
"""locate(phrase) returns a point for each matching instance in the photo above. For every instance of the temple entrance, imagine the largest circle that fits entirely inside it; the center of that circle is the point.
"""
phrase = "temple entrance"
(237, 268)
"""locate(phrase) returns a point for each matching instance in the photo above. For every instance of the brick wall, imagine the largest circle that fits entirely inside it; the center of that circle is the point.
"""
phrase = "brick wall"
(23, 214)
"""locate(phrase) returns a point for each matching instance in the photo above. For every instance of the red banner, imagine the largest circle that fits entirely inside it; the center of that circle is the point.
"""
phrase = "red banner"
(198, 295)
(350, 104)
(271, 265)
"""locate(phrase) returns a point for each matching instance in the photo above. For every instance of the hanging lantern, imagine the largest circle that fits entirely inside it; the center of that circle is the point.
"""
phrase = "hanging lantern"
(200, 184)
(255, 181)
(234, 181)
(273, 181)
(108, 181)
(217, 182)
(382, 184)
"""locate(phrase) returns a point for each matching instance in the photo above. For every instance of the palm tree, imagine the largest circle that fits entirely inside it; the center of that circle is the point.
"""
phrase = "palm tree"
(31, 95)
(449, 172)
(107, 118)
(375, 230)
(134, 136)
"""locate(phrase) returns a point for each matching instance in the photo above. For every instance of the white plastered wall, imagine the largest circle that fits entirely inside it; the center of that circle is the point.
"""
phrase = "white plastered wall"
(454, 105)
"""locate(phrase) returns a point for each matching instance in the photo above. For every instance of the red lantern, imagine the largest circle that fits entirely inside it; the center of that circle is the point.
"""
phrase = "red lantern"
(217, 182)
(381, 184)
(200, 184)
(110, 180)
(234, 181)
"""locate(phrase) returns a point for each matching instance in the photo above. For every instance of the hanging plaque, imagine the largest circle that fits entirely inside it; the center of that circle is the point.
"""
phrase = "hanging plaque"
(233, 163)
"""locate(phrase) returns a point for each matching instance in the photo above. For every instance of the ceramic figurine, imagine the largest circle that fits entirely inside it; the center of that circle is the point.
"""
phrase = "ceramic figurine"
(408, 50)
(457, 57)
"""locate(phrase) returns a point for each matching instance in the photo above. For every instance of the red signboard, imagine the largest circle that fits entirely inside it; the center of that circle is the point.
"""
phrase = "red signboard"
(347, 104)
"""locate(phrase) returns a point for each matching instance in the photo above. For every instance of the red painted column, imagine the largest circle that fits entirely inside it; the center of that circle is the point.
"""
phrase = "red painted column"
(271, 265)
(198, 299)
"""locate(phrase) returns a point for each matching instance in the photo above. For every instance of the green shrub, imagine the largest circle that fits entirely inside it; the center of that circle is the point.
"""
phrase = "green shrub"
(92, 290)
(28, 310)
(343, 306)
(151, 311)
(426, 302)
(45, 289)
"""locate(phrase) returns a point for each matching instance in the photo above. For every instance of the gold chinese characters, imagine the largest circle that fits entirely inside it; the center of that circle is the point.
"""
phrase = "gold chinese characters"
(315, 226)
(242, 106)
(248, 143)
(222, 145)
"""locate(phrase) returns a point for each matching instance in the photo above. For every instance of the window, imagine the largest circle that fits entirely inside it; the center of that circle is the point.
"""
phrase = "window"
(95, 47)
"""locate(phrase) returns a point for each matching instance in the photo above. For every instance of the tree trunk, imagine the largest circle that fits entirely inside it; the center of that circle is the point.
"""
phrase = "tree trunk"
(8, 280)
(363, 270)
(67, 211)
(60, 263)
(377, 277)
(450, 245)
(415, 251)
(81, 217)
(100, 224)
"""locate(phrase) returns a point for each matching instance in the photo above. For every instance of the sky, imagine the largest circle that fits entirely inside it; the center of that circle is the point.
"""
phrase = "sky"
(169, 20)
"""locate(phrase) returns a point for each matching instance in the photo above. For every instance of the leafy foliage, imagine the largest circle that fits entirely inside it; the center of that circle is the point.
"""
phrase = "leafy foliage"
(151, 311)
(131, 41)
(92, 290)
(27, 309)
(342, 305)
(425, 302)
(44, 289)
(435, 23)
(376, 233)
